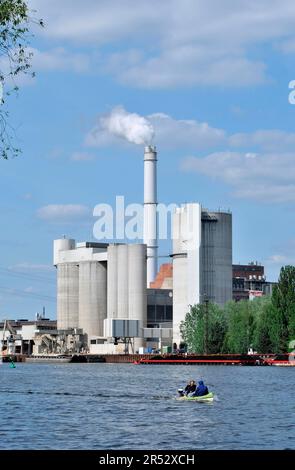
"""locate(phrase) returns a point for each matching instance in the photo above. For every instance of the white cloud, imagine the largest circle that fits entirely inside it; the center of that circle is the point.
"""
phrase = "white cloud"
(178, 67)
(29, 290)
(264, 177)
(82, 157)
(175, 43)
(169, 133)
(184, 133)
(270, 140)
(277, 259)
(53, 59)
(59, 59)
(63, 212)
(30, 267)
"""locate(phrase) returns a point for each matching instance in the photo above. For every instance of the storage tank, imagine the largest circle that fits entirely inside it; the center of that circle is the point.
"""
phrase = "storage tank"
(122, 290)
(137, 293)
(216, 279)
(180, 294)
(112, 308)
(67, 296)
(62, 244)
(92, 297)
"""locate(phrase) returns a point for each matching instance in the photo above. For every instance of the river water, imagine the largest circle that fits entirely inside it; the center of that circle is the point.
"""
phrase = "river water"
(124, 406)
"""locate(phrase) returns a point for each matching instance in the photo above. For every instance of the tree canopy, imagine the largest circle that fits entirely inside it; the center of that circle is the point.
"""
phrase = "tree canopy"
(15, 59)
(266, 324)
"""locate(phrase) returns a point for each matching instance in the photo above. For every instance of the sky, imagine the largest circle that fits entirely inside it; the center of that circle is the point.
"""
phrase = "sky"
(211, 78)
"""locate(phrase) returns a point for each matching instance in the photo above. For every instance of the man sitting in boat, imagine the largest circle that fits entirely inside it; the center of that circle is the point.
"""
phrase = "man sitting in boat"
(201, 390)
(190, 388)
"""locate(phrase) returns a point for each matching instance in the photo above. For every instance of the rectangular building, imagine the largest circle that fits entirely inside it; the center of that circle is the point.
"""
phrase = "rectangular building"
(202, 260)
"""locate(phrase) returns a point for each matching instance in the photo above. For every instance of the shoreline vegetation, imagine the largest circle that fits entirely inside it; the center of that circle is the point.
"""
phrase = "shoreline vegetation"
(265, 324)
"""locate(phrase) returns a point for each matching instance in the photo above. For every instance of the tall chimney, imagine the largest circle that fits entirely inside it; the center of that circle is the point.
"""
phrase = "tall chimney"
(150, 228)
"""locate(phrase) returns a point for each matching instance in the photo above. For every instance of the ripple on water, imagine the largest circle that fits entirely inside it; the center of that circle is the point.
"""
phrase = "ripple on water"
(119, 406)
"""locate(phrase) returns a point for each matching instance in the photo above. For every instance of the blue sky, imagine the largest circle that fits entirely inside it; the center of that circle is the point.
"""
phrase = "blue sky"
(212, 77)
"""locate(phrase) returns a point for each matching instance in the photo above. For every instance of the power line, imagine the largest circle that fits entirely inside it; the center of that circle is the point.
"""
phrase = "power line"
(20, 293)
(31, 277)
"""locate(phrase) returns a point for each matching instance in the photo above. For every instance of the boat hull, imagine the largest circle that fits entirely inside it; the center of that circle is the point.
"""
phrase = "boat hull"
(49, 359)
(205, 398)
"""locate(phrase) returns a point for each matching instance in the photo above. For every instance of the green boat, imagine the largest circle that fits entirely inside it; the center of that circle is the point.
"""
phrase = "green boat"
(205, 398)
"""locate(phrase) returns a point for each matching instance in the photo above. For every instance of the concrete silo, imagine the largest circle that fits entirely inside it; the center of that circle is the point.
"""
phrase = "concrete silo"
(137, 291)
(92, 297)
(127, 295)
(67, 285)
(122, 281)
(112, 278)
(67, 295)
(216, 256)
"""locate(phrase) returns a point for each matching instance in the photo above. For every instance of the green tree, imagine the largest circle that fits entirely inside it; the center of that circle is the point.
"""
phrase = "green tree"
(282, 325)
(263, 314)
(240, 327)
(193, 328)
(15, 59)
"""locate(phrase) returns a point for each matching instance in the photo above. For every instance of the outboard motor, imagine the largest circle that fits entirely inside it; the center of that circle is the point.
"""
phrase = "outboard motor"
(181, 393)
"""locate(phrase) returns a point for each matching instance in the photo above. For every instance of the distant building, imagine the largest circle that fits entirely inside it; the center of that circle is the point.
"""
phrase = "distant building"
(164, 278)
(249, 281)
(159, 308)
(27, 337)
(202, 260)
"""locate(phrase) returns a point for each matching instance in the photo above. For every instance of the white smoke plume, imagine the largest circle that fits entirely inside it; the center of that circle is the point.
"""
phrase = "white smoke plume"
(130, 126)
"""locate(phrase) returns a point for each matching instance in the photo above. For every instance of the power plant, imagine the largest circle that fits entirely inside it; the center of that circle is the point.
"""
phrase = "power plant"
(103, 288)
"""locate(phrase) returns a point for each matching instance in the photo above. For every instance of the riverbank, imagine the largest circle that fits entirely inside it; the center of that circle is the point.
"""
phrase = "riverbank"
(169, 359)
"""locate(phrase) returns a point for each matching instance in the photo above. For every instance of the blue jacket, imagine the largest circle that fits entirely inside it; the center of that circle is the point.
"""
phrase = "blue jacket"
(201, 389)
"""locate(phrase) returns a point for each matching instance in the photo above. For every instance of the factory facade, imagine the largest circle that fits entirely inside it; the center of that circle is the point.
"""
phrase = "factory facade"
(102, 288)
(99, 285)
(111, 290)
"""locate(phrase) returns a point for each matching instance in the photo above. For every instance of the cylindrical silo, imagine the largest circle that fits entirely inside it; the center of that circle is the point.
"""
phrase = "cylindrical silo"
(137, 294)
(222, 249)
(122, 279)
(62, 244)
(112, 307)
(67, 296)
(180, 297)
(92, 297)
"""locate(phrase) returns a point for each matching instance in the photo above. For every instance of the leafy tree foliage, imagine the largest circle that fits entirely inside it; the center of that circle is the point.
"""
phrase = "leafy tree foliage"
(283, 300)
(266, 324)
(15, 59)
(194, 327)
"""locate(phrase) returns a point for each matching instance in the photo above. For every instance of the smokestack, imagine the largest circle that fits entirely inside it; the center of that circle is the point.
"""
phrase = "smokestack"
(150, 228)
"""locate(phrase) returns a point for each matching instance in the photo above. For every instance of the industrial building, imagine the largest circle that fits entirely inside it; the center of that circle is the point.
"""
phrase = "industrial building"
(112, 291)
(202, 260)
(98, 283)
(249, 281)
(27, 337)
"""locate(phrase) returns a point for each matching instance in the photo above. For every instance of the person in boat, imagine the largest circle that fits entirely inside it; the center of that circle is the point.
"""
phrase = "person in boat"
(201, 390)
(190, 388)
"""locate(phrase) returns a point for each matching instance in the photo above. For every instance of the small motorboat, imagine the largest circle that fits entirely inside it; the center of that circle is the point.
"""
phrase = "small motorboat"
(204, 398)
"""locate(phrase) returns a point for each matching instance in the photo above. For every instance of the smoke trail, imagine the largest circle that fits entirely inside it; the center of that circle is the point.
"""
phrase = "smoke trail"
(130, 126)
